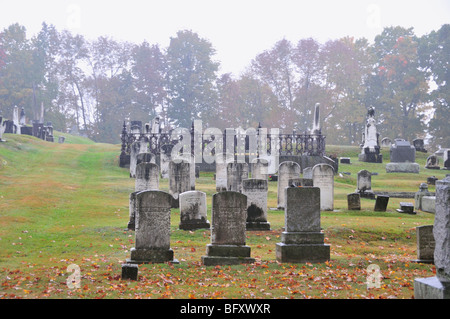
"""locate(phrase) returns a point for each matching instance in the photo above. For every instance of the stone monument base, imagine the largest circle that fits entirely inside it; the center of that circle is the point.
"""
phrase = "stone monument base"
(149, 256)
(402, 168)
(370, 158)
(431, 288)
(194, 224)
(227, 255)
(302, 247)
(258, 226)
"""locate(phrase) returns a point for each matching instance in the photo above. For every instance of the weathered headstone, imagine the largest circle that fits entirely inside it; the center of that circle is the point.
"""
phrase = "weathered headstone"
(386, 142)
(134, 151)
(256, 192)
(193, 210)
(179, 180)
(236, 174)
(164, 159)
(323, 177)
(222, 161)
(381, 203)
(132, 211)
(425, 244)
(438, 287)
(2, 129)
(423, 191)
(287, 170)
(145, 158)
(259, 169)
(307, 172)
(302, 241)
(228, 231)
(406, 208)
(147, 177)
(364, 184)
(354, 201)
(152, 236)
(61, 139)
(345, 160)
(432, 162)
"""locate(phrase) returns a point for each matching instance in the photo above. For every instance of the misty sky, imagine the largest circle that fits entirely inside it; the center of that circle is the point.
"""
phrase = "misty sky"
(238, 30)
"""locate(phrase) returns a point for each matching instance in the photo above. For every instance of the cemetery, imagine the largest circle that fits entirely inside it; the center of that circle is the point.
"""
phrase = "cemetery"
(137, 231)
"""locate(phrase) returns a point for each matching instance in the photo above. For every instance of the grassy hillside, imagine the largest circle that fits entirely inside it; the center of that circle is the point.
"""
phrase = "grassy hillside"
(63, 204)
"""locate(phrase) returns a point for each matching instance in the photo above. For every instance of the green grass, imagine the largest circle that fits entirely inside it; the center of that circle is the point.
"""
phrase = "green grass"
(63, 204)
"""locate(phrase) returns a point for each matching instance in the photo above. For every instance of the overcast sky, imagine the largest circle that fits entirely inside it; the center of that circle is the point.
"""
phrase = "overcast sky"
(237, 29)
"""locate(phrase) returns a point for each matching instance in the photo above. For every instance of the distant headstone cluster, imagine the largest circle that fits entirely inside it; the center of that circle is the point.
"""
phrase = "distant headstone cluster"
(18, 126)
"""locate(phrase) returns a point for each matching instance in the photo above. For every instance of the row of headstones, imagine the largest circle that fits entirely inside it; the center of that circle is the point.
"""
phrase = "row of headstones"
(302, 240)
(231, 177)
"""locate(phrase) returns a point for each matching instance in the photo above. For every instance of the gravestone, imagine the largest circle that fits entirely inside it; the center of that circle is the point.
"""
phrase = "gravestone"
(132, 211)
(438, 287)
(423, 191)
(236, 174)
(354, 201)
(432, 180)
(403, 156)
(145, 158)
(256, 192)
(61, 139)
(134, 151)
(260, 169)
(447, 159)
(406, 208)
(222, 161)
(307, 172)
(152, 235)
(130, 271)
(425, 244)
(432, 162)
(323, 177)
(345, 160)
(302, 241)
(147, 177)
(419, 145)
(381, 203)
(364, 184)
(2, 129)
(193, 211)
(228, 235)
(386, 142)
(286, 170)
(164, 159)
(179, 180)
(300, 182)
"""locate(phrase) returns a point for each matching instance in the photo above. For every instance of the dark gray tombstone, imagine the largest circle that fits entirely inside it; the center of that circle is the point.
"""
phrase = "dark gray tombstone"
(302, 241)
(432, 180)
(354, 201)
(402, 152)
(381, 203)
(228, 231)
(130, 271)
(406, 208)
(152, 235)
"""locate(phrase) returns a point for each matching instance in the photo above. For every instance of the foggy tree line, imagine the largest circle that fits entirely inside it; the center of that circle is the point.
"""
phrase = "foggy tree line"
(94, 85)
